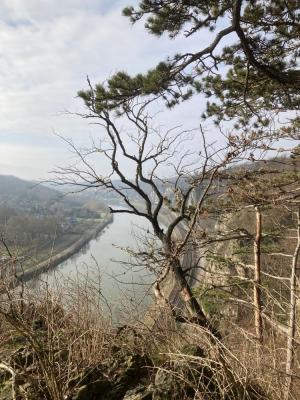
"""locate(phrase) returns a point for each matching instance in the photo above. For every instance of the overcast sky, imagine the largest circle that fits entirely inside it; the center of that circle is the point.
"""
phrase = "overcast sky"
(48, 47)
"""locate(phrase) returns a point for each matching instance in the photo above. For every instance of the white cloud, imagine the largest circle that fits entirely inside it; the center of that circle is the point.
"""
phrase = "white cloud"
(30, 11)
(47, 49)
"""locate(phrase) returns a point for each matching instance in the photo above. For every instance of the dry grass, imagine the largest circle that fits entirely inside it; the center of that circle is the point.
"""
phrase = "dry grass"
(52, 338)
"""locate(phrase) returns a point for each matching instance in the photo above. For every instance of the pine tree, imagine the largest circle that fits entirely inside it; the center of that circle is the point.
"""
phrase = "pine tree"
(249, 71)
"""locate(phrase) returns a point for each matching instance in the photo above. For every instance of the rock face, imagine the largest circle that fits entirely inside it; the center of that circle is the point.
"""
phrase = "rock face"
(166, 386)
(222, 262)
(126, 376)
(116, 377)
(139, 393)
(127, 373)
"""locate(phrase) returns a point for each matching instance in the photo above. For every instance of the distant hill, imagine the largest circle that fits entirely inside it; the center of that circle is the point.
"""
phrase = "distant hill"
(31, 198)
(11, 186)
(34, 216)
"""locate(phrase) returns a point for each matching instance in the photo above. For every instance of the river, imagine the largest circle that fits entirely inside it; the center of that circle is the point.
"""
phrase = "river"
(101, 264)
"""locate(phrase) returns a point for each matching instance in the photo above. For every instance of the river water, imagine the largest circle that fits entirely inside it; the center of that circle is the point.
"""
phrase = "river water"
(104, 264)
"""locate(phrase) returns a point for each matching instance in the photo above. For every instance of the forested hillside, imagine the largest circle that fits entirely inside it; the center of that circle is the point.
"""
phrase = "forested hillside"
(36, 219)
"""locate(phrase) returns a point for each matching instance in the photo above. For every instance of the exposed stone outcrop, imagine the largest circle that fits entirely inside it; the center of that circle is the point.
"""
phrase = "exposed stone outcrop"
(125, 376)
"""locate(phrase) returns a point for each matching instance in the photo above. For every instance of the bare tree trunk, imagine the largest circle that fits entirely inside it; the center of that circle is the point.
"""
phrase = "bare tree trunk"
(292, 318)
(257, 276)
(192, 305)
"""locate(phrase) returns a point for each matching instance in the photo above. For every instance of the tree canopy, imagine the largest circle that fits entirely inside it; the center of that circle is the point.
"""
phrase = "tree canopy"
(248, 71)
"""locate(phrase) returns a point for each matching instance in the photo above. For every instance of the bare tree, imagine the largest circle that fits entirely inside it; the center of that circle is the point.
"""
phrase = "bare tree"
(260, 186)
(152, 152)
(290, 360)
(257, 275)
(270, 185)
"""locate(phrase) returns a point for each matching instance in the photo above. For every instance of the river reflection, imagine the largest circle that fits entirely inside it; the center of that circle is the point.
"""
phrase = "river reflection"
(102, 263)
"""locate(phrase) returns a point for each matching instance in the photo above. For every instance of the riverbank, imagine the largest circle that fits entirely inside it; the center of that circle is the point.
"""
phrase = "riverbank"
(63, 255)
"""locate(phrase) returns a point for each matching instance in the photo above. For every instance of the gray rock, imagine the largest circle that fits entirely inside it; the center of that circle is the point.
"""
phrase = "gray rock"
(139, 393)
(112, 379)
(167, 387)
